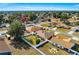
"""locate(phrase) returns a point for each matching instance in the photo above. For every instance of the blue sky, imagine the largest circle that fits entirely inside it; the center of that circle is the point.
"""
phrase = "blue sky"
(38, 6)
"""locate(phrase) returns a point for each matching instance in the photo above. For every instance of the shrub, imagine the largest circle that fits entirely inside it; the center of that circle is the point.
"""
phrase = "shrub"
(38, 41)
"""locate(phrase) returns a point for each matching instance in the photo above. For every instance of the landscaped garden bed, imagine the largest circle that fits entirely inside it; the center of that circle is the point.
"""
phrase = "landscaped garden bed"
(34, 39)
(49, 49)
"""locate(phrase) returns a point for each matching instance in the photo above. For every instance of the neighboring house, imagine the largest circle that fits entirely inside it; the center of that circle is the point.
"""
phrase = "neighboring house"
(46, 20)
(41, 33)
(64, 27)
(55, 19)
(76, 31)
(58, 24)
(46, 34)
(63, 40)
(72, 20)
(77, 18)
(32, 28)
(4, 50)
(45, 24)
(76, 28)
(25, 18)
(49, 34)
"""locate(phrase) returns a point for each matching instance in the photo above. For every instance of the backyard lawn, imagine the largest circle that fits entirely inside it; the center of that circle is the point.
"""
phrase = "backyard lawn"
(49, 49)
(34, 39)
(21, 48)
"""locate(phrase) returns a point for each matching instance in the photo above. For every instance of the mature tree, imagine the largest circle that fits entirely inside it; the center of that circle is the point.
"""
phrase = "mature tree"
(11, 18)
(65, 16)
(31, 15)
(57, 14)
(1, 19)
(16, 28)
(14, 16)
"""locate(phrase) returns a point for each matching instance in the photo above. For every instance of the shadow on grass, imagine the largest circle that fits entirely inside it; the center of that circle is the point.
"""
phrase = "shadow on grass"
(19, 44)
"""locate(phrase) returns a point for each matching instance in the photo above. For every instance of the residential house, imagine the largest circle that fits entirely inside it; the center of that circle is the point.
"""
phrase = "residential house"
(32, 28)
(4, 49)
(63, 40)
(25, 18)
(55, 19)
(76, 31)
(72, 20)
(46, 34)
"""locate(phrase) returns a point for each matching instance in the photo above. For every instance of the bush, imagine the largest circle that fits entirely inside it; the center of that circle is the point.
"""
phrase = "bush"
(38, 41)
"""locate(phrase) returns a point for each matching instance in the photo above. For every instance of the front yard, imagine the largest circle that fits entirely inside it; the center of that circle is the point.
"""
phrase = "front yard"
(49, 49)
